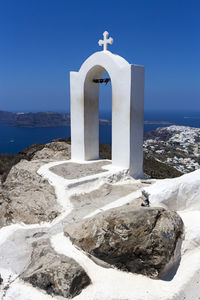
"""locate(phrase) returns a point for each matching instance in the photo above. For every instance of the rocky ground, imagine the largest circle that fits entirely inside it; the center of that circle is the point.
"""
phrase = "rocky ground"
(24, 195)
(22, 190)
(59, 149)
(113, 247)
(106, 221)
(32, 257)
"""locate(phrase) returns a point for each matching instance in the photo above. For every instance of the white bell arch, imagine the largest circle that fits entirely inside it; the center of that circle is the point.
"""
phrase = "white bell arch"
(127, 111)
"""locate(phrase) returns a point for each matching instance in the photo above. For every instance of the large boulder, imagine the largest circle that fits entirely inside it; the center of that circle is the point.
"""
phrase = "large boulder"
(137, 240)
(54, 273)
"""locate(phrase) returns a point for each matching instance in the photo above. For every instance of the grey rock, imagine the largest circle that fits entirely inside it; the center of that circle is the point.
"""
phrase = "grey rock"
(1, 279)
(54, 273)
(136, 240)
(145, 201)
(55, 150)
(27, 197)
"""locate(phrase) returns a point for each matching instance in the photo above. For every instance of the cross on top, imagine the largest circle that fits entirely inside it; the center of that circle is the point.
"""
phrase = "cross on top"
(105, 41)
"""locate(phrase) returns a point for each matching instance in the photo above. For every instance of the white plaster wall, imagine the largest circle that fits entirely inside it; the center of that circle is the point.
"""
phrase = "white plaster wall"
(137, 121)
(77, 117)
(91, 110)
(127, 104)
(121, 118)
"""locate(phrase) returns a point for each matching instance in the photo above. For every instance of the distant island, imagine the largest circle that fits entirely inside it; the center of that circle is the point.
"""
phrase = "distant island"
(47, 119)
(40, 119)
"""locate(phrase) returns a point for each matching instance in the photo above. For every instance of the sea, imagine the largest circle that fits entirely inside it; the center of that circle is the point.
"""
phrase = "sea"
(14, 139)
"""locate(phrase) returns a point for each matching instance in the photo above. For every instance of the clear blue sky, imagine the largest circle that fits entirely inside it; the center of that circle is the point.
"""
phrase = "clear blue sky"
(41, 41)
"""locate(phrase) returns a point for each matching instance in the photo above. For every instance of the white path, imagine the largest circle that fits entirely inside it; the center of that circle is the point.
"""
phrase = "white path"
(107, 284)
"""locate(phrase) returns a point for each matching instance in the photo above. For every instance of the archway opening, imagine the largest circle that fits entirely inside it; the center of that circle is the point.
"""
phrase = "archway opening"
(105, 117)
(97, 113)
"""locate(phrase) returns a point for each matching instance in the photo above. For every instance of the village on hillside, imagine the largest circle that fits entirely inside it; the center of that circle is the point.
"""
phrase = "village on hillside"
(177, 146)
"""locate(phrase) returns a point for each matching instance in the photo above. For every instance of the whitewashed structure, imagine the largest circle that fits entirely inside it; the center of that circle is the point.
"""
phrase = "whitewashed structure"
(127, 109)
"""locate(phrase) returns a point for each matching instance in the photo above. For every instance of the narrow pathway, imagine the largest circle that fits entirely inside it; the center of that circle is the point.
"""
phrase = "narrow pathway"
(15, 240)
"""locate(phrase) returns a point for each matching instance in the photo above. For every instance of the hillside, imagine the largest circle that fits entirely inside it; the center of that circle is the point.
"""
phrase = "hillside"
(152, 167)
(176, 146)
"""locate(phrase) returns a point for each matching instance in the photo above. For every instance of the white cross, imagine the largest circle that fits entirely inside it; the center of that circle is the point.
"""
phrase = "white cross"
(105, 41)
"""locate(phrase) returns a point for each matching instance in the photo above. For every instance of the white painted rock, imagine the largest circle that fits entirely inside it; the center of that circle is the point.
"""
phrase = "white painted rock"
(178, 193)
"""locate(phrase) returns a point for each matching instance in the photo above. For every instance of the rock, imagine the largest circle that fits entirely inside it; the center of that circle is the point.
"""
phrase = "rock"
(137, 240)
(1, 279)
(176, 194)
(145, 197)
(54, 273)
(57, 150)
(27, 197)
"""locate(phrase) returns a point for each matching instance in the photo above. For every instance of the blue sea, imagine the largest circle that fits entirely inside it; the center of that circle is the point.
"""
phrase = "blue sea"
(14, 139)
